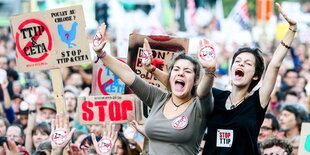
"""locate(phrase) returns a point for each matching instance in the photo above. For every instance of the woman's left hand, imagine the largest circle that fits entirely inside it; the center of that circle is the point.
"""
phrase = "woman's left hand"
(206, 55)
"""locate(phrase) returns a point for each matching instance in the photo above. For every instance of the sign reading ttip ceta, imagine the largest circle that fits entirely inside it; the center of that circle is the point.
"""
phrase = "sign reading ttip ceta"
(50, 39)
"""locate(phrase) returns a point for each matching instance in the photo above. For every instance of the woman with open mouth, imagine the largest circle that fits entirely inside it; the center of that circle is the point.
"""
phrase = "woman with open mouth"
(234, 125)
(178, 117)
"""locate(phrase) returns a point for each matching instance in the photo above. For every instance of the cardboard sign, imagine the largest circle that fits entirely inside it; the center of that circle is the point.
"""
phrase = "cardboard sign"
(110, 108)
(50, 39)
(304, 144)
(105, 82)
(163, 49)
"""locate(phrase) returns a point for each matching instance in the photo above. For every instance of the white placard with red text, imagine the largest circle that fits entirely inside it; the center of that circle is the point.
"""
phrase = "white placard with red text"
(108, 108)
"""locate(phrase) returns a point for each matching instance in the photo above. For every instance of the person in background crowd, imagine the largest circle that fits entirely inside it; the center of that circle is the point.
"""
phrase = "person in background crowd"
(48, 111)
(37, 134)
(290, 80)
(78, 137)
(16, 133)
(45, 148)
(4, 124)
(291, 118)
(71, 102)
(295, 144)
(276, 146)
(4, 62)
(269, 128)
(7, 107)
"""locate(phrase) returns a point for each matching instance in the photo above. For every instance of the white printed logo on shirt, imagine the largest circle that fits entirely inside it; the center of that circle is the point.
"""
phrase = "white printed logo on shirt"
(224, 138)
(180, 122)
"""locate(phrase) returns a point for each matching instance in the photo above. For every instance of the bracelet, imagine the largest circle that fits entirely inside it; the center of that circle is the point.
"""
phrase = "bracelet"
(286, 46)
(101, 56)
(292, 29)
(153, 69)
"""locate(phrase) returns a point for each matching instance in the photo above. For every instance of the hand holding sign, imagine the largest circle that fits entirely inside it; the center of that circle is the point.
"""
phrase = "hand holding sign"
(147, 56)
(60, 133)
(206, 55)
(98, 42)
(106, 143)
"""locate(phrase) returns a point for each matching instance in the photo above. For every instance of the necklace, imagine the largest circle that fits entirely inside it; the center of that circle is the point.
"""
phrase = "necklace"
(177, 106)
(234, 105)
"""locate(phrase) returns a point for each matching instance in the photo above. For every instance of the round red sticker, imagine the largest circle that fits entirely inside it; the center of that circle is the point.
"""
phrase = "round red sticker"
(180, 122)
(145, 56)
(105, 145)
(207, 53)
(59, 136)
(99, 81)
(34, 34)
(97, 39)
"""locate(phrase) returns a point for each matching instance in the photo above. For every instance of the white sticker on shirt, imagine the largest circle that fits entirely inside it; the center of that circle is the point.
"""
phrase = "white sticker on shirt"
(180, 122)
(224, 137)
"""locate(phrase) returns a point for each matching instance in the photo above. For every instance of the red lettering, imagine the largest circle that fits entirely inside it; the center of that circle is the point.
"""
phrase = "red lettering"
(88, 114)
(126, 105)
(101, 105)
(114, 111)
(228, 135)
(221, 134)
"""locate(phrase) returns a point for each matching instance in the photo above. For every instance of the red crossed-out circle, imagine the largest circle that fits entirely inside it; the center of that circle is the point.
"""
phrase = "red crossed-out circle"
(21, 51)
(100, 84)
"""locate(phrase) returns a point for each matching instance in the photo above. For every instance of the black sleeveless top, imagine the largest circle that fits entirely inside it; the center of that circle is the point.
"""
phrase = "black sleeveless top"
(234, 132)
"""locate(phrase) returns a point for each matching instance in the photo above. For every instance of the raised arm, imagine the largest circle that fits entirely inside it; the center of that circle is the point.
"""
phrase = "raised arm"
(206, 57)
(122, 70)
(275, 63)
(6, 96)
(159, 74)
(31, 99)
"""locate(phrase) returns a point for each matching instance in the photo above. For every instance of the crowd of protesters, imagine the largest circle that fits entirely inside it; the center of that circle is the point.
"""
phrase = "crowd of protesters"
(27, 108)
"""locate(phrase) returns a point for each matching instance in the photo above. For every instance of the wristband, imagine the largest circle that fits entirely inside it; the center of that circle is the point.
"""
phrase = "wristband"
(286, 46)
(292, 29)
(104, 53)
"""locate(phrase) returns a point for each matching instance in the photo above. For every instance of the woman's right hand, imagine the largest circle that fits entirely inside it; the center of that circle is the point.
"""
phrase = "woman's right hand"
(99, 39)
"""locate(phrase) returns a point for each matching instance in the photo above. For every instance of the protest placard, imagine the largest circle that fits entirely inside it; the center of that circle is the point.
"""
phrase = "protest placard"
(163, 49)
(108, 108)
(304, 144)
(105, 82)
(50, 39)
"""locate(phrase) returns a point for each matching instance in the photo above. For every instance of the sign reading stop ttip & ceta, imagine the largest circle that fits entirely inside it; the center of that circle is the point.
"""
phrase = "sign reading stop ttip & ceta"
(50, 39)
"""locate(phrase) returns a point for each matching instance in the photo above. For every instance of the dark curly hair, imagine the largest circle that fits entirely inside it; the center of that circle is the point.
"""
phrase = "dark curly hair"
(283, 143)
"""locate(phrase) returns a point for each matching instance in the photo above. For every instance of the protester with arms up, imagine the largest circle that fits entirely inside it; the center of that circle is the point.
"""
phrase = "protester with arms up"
(234, 125)
(178, 117)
